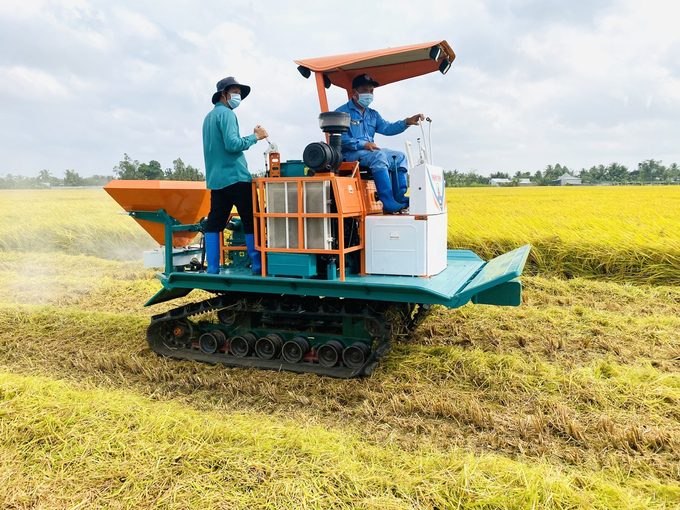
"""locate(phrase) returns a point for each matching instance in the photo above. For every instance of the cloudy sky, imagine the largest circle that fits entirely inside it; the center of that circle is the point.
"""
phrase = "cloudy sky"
(535, 82)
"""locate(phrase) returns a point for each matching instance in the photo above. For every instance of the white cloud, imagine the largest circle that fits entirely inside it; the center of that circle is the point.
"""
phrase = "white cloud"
(135, 24)
(36, 85)
(20, 9)
(534, 82)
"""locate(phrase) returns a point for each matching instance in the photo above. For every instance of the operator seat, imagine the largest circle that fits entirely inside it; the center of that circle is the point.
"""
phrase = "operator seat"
(366, 173)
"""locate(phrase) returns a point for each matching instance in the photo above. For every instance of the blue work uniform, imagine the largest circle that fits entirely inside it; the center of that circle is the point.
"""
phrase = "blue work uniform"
(362, 129)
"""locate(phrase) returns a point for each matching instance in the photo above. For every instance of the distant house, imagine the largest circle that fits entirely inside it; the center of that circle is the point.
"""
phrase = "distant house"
(567, 180)
(499, 182)
(526, 182)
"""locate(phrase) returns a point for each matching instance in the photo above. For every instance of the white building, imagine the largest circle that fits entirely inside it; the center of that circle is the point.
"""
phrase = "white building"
(498, 181)
(567, 180)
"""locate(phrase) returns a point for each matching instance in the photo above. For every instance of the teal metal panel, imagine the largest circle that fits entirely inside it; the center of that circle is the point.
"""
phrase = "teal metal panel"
(497, 271)
(505, 294)
(293, 168)
(466, 275)
(164, 295)
(292, 264)
(439, 289)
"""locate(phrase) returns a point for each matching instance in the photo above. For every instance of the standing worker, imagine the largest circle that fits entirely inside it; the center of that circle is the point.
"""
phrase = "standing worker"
(358, 144)
(226, 170)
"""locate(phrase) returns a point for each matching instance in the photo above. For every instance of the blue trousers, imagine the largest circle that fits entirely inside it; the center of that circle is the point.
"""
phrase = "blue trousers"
(377, 160)
(381, 160)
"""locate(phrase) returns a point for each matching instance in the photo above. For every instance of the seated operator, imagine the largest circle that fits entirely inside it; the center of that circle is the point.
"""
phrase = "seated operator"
(358, 144)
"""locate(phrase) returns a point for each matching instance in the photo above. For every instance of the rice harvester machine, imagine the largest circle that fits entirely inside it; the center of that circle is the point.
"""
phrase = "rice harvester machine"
(340, 280)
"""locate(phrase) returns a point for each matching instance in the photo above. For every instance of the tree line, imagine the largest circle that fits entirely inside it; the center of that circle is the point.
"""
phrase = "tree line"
(648, 171)
(45, 179)
(134, 170)
(126, 169)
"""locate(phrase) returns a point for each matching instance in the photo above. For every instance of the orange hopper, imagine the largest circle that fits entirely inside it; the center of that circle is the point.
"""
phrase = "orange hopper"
(186, 201)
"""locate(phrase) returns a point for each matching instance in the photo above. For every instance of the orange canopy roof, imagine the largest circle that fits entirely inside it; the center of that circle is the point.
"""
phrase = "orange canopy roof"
(384, 66)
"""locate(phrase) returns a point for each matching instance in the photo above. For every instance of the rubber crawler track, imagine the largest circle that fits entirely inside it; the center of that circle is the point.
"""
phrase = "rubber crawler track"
(383, 320)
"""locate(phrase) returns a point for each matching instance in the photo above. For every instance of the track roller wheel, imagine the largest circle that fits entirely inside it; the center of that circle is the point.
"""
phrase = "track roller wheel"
(182, 331)
(242, 346)
(226, 317)
(355, 355)
(212, 342)
(296, 349)
(269, 347)
(329, 353)
(161, 331)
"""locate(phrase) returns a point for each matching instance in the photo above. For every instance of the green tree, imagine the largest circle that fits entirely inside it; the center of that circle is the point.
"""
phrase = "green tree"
(182, 172)
(97, 180)
(585, 175)
(617, 172)
(673, 172)
(71, 178)
(599, 173)
(8, 182)
(538, 178)
(45, 176)
(150, 171)
(651, 170)
(127, 168)
(451, 178)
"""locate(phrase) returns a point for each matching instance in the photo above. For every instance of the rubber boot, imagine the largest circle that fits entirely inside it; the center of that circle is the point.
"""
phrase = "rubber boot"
(402, 179)
(212, 251)
(255, 255)
(382, 184)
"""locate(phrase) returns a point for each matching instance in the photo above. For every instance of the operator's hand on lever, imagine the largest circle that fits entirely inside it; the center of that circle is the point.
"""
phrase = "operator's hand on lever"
(260, 132)
(413, 121)
(370, 146)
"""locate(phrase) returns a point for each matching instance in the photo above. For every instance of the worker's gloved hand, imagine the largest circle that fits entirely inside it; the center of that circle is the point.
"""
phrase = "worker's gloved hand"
(413, 121)
(370, 146)
(260, 132)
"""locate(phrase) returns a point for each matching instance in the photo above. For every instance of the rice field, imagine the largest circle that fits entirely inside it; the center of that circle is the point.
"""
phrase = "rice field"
(568, 401)
(619, 233)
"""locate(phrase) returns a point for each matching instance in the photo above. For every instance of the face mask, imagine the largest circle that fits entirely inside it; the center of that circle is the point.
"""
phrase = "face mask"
(234, 101)
(365, 99)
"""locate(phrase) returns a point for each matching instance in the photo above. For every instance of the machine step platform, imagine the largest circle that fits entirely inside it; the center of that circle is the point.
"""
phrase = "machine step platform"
(467, 277)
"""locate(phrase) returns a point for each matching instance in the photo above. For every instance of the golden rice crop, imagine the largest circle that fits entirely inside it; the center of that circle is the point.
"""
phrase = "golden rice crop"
(67, 448)
(619, 233)
(587, 430)
(77, 222)
(568, 401)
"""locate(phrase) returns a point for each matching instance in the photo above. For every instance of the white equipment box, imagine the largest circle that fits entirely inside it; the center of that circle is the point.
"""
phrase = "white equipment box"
(406, 245)
(180, 256)
(427, 193)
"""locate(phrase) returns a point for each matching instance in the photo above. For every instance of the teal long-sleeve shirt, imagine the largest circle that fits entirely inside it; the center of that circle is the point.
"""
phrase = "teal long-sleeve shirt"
(223, 146)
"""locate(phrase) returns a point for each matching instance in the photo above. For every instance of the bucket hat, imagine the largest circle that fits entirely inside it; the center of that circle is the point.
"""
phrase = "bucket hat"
(227, 82)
